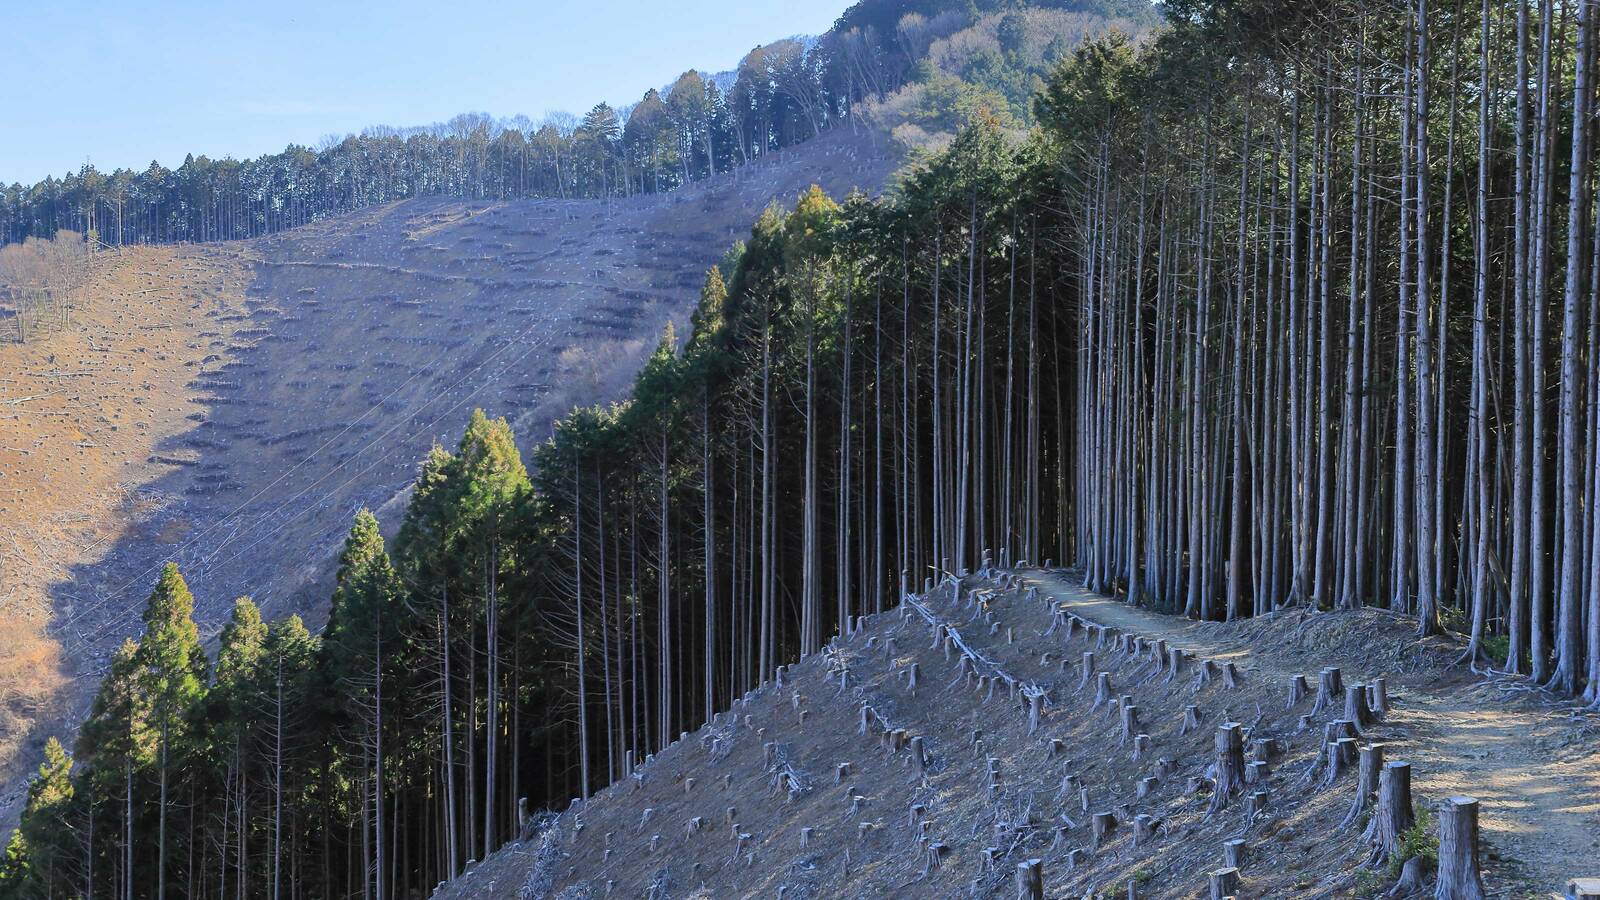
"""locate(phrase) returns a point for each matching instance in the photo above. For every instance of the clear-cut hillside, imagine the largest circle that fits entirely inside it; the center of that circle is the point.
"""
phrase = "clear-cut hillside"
(908, 760)
(230, 406)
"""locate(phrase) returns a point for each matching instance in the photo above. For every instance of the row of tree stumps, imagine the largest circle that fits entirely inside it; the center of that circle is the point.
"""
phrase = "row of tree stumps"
(1382, 800)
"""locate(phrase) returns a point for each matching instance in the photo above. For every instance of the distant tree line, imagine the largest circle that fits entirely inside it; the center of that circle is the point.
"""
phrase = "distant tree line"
(780, 94)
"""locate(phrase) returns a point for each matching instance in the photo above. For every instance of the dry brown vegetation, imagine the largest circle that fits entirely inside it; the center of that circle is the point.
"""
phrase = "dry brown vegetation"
(230, 406)
(759, 775)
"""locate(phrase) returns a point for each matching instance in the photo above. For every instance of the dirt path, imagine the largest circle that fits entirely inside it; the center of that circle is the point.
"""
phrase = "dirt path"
(1533, 764)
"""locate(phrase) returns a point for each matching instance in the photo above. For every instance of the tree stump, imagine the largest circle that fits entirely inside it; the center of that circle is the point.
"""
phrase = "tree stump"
(1141, 746)
(1057, 748)
(1174, 664)
(1224, 883)
(1101, 826)
(1191, 719)
(1330, 686)
(644, 819)
(1102, 690)
(1230, 676)
(1459, 875)
(1075, 858)
(1341, 756)
(1208, 671)
(1230, 765)
(919, 755)
(987, 857)
(694, 826)
(1035, 711)
(688, 785)
(1255, 772)
(933, 856)
(1394, 813)
(913, 677)
(841, 772)
(655, 841)
(1130, 721)
(1297, 691)
(1378, 697)
(1255, 803)
(1233, 853)
(1366, 784)
(1030, 880)
(1356, 711)
(1164, 768)
(1144, 829)
(1146, 787)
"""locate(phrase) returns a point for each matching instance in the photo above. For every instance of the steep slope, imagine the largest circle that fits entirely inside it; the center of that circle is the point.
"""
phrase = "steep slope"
(797, 792)
(230, 406)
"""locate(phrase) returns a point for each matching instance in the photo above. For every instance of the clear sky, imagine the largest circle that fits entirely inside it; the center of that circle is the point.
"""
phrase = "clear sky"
(122, 82)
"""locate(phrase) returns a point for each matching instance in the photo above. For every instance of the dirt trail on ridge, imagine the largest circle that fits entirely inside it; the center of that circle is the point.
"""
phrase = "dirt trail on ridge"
(1533, 762)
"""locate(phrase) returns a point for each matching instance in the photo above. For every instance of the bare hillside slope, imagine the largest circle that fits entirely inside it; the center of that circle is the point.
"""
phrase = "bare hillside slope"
(230, 406)
(904, 761)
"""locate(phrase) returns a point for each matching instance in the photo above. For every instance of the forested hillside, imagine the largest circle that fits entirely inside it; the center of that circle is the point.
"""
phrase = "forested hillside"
(1293, 306)
(780, 94)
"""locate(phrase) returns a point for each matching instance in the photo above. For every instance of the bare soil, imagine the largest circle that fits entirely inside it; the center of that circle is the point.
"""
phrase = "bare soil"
(1532, 765)
(231, 406)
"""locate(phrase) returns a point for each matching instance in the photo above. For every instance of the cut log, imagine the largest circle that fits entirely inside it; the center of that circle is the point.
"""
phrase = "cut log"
(1459, 875)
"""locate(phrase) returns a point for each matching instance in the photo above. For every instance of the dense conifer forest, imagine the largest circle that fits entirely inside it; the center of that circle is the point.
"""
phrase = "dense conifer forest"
(1290, 305)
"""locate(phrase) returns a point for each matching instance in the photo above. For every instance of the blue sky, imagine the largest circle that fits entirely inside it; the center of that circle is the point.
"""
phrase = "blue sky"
(121, 83)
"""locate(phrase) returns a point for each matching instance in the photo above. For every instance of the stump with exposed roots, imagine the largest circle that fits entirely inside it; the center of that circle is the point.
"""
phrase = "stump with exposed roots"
(1230, 765)
(1366, 784)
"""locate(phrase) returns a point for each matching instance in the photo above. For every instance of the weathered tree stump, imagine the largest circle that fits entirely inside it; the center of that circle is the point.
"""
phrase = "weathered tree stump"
(933, 856)
(1102, 689)
(1144, 829)
(841, 772)
(987, 857)
(655, 841)
(1164, 768)
(1378, 697)
(1101, 826)
(1075, 858)
(1175, 659)
(1191, 719)
(1459, 875)
(1057, 748)
(1141, 746)
(1341, 755)
(644, 819)
(1224, 883)
(1035, 711)
(1255, 772)
(1146, 787)
(913, 677)
(1366, 784)
(688, 785)
(694, 826)
(919, 755)
(1030, 880)
(1394, 813)
(1255, 803)
(1234, 853)
(1207, 672)
(1230, 676)
(733, 813)
(1195, 785)
(1297, 691)
(1356, 711)
(1130, 721)
(1330, 687)
(1230, 765)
